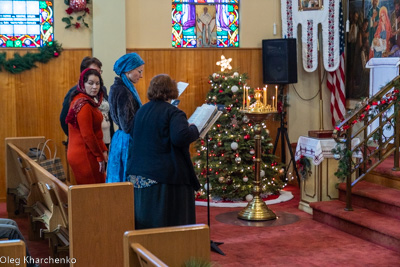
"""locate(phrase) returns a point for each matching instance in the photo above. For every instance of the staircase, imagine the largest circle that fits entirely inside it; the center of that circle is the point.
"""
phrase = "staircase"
(375, 216)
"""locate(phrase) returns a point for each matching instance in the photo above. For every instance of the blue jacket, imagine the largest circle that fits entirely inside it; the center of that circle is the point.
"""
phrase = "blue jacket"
(161, 139)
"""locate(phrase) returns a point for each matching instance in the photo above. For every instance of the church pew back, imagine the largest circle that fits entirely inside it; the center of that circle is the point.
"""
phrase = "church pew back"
(12, 253)
(146, 258)
(14, 170)
(45, 189)
(99, 215)
(171, 245)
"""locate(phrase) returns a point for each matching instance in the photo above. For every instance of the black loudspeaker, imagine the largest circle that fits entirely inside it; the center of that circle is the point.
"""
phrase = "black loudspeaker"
(279, 61)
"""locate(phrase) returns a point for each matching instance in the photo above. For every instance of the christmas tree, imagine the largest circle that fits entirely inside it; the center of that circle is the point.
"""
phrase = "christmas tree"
(230, 146)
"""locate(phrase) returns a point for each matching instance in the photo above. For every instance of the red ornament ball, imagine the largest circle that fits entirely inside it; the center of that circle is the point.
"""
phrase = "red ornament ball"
(77, 5)
(246, 137)
(56, 54)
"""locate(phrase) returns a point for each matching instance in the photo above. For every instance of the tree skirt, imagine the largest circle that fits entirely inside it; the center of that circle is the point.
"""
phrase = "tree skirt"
(283, 196)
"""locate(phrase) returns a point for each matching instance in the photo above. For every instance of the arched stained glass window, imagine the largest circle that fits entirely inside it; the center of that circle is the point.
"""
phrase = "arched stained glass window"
(205, 23)
(26, 23)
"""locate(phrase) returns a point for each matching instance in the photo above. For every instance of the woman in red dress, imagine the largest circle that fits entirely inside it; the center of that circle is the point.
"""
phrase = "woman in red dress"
(87, 153)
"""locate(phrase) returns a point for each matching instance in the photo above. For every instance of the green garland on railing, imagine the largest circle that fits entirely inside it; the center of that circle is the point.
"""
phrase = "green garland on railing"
(19, 63)
(342, 153)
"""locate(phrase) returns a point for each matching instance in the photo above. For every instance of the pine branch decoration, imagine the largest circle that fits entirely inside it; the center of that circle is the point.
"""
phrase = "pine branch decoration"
(19, 63)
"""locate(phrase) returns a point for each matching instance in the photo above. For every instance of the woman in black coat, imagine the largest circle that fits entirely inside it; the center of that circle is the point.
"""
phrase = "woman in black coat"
(161, 168)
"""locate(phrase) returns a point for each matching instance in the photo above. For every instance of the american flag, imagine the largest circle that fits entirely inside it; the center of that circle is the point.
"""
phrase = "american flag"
(336, 80)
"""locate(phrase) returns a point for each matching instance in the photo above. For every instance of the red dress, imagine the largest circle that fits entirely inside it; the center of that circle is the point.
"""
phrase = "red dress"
(85, 144)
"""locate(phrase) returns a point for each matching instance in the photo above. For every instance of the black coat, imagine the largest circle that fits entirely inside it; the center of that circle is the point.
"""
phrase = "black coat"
(161, 139)
(123, 105)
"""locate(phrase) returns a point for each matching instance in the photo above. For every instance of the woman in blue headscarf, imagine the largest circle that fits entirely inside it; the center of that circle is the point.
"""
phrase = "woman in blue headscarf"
(124, 102)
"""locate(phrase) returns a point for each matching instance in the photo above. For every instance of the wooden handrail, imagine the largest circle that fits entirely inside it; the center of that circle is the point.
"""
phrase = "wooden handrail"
(345, 132)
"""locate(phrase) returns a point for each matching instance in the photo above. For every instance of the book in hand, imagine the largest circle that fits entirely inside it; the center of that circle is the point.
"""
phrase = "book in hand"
(204, 117)
(181, 88)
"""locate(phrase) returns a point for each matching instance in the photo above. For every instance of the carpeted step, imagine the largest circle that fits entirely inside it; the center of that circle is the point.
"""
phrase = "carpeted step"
(363, 223)
(374, 197)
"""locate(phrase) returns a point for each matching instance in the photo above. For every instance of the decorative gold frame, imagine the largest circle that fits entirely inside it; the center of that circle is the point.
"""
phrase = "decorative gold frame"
(315, 5)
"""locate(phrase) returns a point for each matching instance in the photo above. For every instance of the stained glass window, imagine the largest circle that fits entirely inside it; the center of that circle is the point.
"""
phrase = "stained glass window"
(205, 23)
(26, 23)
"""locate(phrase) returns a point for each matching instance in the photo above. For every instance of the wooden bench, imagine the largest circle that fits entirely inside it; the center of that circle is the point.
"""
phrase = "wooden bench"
(146, 258)
(87, 221)
(172, 246)
(47, 201)
(12, 253)
(99, 215)
(17, 184)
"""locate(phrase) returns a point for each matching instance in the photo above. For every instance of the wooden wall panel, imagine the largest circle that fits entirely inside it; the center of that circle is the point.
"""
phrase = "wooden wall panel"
(30, 102)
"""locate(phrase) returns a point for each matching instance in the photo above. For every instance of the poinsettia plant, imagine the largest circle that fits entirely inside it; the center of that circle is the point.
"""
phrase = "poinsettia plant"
(76, 11)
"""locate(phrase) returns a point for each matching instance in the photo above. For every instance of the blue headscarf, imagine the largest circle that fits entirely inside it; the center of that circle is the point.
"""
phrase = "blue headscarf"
(127, 63)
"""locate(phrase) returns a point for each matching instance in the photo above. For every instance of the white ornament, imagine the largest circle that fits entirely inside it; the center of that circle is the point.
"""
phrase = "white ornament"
(214, 75)
(234, 145)
(262, 173)
(252, 151)
(249, 198)
(238, 160)
(221, 179)
(205, 186)
(234, 88)
(236, 74)
(245, 119)
(245, 179)
(336, 156)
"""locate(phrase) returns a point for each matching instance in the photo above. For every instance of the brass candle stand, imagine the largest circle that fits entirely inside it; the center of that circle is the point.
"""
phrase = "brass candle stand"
(256, 209)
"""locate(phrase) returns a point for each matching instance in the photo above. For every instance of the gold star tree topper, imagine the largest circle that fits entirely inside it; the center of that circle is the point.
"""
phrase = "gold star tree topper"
(224, 63)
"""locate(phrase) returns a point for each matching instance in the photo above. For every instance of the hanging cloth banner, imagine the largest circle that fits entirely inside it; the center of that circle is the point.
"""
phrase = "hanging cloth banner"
(309, 14)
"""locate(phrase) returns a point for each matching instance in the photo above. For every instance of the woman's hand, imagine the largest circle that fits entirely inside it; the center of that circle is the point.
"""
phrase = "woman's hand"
(102, 166)
(105, 154)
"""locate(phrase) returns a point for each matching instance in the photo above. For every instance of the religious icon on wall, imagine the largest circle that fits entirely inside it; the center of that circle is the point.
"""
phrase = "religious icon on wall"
(310, 4)
(374, 32)
(206, 29)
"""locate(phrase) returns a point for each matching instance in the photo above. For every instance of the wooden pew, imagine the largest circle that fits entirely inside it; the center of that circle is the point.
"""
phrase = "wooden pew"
(12, 253)
(47, 200)
(88, 221)
(18, 187)
(99, 215)
(146, 258)
(172, 246)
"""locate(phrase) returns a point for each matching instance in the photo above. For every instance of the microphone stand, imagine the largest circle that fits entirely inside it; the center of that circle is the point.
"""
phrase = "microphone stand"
(214, 245)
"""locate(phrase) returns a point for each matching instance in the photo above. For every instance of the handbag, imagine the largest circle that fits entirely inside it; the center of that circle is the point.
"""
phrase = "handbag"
(34, 153)
(53, 165)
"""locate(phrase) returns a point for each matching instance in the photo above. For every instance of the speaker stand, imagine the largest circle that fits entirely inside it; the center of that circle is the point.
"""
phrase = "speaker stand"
(283, 133)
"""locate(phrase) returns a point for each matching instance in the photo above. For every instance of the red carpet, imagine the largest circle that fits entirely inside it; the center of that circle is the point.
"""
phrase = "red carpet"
(304, 242)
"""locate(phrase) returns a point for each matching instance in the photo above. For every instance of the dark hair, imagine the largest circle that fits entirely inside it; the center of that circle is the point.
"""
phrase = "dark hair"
(93, 72)
(162, 87)
(85, 79)
(87, 61)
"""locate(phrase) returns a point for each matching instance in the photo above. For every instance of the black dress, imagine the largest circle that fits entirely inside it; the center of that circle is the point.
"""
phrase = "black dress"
(161, 139)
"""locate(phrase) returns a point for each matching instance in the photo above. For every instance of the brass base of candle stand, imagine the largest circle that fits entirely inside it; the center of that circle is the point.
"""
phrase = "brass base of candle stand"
(257, 210)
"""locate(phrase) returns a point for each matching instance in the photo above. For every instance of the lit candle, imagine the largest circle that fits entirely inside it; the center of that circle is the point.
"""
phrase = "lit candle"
(265, 97)
(244, 95)
(247, 97)
(276, 97)
(273, 103)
